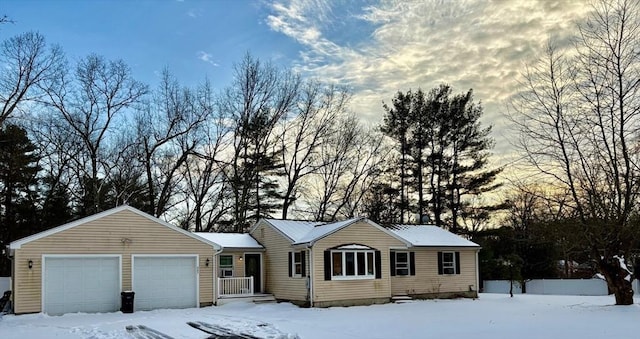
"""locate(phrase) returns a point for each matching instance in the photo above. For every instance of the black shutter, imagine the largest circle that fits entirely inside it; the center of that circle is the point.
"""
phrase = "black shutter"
(457, 262)
(378, 261)
(304, 264)
(392, 259)
(327, 265)
(412, 263)
(289, 261)
(440, 270)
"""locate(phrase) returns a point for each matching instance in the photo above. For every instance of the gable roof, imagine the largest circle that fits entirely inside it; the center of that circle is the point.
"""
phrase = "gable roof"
(308, 232)
(231, 240)
(293, 229)
(18, 243)
(321, 231)
(430, 236)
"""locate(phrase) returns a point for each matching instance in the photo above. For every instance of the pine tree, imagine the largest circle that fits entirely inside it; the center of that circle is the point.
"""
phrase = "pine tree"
(18, 188)
(444, 152)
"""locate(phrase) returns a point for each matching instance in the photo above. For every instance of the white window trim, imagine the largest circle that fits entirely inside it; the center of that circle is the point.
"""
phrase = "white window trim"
(294, 263)
(452, 263)
(344, 265)
(222, 269)
(407, 267)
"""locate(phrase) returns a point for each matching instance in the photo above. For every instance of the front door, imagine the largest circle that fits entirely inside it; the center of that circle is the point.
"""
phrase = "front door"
(252, 269)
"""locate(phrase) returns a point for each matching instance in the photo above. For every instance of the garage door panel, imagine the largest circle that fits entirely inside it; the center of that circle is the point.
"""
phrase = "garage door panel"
(165, 282)
(81, 284)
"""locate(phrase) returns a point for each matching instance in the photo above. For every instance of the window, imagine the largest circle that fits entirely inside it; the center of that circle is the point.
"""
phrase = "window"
(402, 263)
(337, 264)
(353, 264)
(448, 262)
(226, 266)
(297, 264)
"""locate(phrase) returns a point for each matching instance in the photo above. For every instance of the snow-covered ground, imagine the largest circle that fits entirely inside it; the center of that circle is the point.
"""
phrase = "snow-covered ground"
(491, 316)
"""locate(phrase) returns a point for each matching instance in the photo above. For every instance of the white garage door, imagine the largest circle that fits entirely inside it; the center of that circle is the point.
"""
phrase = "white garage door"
(81, 284)
(165, 282)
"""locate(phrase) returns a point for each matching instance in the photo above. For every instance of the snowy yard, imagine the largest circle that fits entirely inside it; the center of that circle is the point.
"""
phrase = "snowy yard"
(491, 316)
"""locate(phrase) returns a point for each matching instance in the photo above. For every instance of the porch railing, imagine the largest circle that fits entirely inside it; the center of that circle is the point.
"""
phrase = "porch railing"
(235, 287)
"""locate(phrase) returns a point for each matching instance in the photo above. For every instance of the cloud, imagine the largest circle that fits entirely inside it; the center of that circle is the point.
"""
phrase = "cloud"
(206, 57)
(469, 44)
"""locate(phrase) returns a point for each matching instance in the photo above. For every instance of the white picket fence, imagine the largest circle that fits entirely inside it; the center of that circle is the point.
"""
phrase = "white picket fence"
(554, 287)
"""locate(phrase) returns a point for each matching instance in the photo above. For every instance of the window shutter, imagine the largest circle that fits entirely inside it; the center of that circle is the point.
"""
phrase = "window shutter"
(392, 260)
(289, 261)
(304, 264)
(378, 261)
(440, 270)
(327, 265)
(457, 262)
(412, 263)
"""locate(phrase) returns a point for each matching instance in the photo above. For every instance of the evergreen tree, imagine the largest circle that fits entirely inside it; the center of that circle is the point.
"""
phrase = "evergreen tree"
(56, 205)
(444, 152)
(396, 125)
(18, 188)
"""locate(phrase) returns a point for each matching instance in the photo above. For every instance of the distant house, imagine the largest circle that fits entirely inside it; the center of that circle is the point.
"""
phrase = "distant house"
(83, 266)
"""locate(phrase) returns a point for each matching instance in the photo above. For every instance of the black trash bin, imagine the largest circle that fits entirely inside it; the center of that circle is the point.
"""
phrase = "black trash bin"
(126, 301)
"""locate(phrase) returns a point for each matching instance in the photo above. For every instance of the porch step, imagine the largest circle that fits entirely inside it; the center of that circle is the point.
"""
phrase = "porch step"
(256, 298)
(264, 299)
(401, 299)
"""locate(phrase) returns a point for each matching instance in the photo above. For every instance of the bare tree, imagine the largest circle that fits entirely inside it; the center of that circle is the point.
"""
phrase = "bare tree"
(169, 131)
(259, 97)
(579, 126)
(370, 155)
(336, 160)
(28, 63)
(207, 193)
(317, 109)
(57, 148)
(90, 102)
(348, 164)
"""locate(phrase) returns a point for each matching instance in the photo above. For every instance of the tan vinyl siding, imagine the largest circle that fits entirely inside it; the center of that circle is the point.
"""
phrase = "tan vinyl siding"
(238, 262)
(337, 290)
(277, 280)
(123, 233)
(428, 281)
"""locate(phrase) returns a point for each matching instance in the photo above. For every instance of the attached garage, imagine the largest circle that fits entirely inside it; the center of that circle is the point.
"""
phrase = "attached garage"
(165, 282)
(81, 284)
(83, 266)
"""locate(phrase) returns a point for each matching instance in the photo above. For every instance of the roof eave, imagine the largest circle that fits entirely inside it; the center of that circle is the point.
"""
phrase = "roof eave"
(17, 244)
(441, 246)
(244, 249)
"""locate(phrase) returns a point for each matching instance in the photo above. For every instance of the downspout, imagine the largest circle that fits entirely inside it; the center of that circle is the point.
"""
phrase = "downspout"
(12, 283)
(311, 276)
(214, 274)
(477, 274)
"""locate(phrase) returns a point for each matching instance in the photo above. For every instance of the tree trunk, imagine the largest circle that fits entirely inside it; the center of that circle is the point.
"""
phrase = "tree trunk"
(618, 279)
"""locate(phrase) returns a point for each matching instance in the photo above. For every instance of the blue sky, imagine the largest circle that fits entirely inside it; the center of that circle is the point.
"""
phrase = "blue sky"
(194, 39)
(377, 47)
